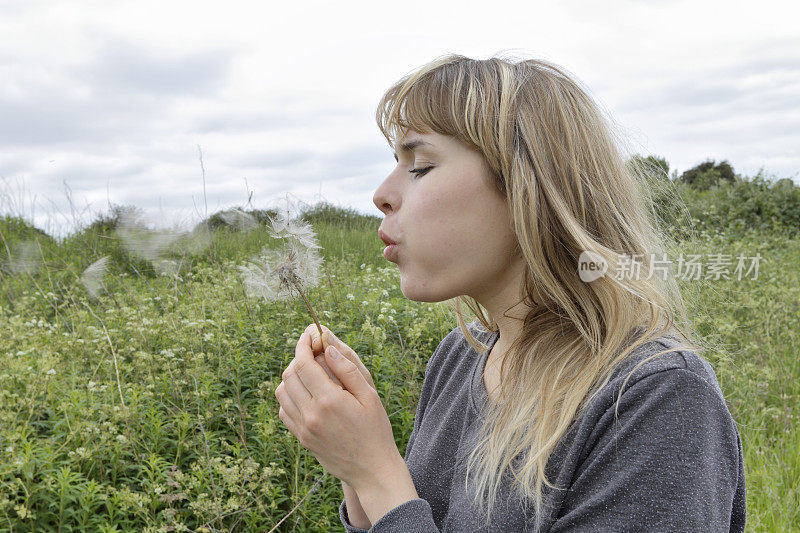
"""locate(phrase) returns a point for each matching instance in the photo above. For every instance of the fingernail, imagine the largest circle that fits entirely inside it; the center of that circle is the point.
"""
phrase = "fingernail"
(335, 353)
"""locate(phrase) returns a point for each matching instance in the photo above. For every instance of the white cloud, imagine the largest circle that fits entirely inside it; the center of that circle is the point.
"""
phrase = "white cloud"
(114, 98)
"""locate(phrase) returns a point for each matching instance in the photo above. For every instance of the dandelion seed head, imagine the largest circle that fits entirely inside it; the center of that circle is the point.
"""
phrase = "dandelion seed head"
(197, 240)
(92, 277)
(283, 227)
(280, 275)
(275, 275)
(142, 242)
(25, 258)
(238, 219)
(155, 246)
(279, 225)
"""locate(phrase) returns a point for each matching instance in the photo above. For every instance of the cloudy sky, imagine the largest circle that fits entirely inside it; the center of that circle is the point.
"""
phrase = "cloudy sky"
(107, 101)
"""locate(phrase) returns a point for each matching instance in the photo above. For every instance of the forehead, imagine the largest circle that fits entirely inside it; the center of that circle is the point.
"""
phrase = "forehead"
(414, 141)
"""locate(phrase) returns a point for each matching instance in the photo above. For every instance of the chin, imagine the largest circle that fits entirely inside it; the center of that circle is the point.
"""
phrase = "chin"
(417, 293)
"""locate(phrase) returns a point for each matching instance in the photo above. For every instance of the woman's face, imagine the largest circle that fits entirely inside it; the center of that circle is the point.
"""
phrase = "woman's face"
(452, 226)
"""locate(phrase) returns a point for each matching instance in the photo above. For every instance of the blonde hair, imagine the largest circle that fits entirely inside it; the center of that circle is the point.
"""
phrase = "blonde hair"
(560, 166)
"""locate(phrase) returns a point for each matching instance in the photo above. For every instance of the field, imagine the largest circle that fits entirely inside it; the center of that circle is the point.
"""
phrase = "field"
(152, 407)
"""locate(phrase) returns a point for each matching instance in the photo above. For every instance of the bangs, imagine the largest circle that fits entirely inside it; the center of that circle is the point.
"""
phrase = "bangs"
(433, 99)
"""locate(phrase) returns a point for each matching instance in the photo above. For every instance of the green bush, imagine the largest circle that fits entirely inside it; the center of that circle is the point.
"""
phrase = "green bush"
(708, 174)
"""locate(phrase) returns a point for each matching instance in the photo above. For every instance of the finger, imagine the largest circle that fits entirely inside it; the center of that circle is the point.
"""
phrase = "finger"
(328, 339)
(347, 351)
(286, 402)
(320, 359)
(316, 343)
(297, 391)
(310, 372)
(288, 421)
(351, 377)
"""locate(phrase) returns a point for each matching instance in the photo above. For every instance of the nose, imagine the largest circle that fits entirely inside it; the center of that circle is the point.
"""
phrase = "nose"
(384, 198)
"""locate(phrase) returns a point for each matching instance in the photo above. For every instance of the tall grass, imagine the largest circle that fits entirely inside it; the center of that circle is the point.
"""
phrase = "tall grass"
(152, 407)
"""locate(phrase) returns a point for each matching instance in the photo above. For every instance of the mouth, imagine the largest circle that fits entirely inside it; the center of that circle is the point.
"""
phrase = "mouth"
(390, 253)
(385, 238)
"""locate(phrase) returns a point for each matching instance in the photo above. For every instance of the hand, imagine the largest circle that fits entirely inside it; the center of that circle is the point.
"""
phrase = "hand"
(343, 424)
(318, 347)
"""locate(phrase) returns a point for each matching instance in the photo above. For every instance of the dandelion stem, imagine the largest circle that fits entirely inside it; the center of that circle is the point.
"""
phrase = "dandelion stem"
(310, 309)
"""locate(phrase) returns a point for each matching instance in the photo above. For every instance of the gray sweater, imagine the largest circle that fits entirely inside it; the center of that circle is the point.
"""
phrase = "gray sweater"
(671, 462)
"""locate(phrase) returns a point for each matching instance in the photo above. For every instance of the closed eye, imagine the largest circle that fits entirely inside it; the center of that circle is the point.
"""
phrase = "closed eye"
(420, 171)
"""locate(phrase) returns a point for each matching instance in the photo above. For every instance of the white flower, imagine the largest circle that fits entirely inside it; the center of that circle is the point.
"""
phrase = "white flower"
(51, 372)
(166, 267)
(350, 296)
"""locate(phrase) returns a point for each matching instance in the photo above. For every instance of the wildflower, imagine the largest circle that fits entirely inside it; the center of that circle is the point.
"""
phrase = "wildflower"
(51, 372)
(166, 267)
(92, 277)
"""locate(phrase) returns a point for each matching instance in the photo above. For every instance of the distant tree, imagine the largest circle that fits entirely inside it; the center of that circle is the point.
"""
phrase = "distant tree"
(708, 174)
(651, 166)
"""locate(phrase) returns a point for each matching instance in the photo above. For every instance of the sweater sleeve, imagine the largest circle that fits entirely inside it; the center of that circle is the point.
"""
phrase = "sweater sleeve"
(414, 515)
(672, 461)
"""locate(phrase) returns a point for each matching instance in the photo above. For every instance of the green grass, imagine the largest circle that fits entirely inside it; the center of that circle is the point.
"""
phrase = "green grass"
(198, 445)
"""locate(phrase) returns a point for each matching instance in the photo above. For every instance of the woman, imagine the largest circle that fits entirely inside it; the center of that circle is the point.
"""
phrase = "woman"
(571, 403)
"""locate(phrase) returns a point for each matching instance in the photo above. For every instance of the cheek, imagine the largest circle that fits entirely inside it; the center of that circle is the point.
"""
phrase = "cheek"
(439, 226)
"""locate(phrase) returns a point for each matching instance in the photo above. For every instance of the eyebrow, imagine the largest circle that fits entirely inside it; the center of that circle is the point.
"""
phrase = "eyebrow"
(410, 145)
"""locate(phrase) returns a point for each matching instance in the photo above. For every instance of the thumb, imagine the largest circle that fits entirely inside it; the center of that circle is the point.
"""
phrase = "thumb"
(347, 372)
